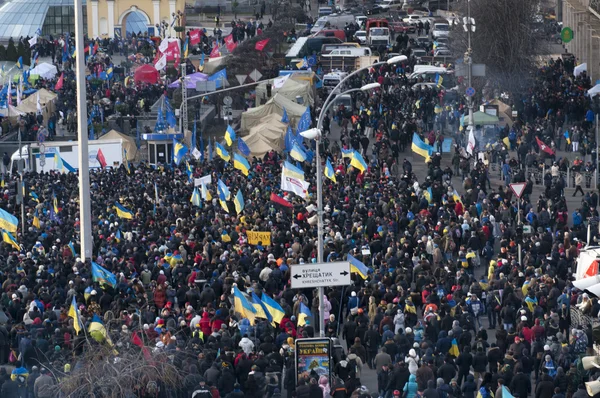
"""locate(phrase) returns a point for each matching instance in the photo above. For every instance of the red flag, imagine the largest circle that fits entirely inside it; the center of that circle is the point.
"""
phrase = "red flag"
(137, 340)
(230, 43)
(544, 147)
(173, 52)
(95, 48)
(278, 200)
(60, 82)
(100, 158)
(260, 45)
(215, 53)
(86, 49)
(195, 36)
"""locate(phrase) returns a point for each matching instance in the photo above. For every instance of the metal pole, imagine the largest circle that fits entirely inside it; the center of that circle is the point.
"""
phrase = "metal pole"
(470, 68)
(85, 212)
(597, 148)
(22, 184)
(519, 223)
(320, 238)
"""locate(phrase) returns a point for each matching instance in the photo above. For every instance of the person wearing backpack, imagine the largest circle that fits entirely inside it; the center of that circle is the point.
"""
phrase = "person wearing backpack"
(354, 364)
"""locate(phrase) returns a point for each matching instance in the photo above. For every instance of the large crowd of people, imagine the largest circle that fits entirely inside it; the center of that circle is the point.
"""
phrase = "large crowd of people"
(445, 276)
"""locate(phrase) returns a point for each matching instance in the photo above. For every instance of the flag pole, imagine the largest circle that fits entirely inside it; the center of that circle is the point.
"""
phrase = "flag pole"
(85, 214)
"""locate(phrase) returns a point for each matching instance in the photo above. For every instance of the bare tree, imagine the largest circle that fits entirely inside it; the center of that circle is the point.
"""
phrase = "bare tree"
(505, 41)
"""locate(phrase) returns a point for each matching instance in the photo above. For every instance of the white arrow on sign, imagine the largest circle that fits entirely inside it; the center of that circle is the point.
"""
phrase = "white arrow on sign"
(518, 188)
(321, 275)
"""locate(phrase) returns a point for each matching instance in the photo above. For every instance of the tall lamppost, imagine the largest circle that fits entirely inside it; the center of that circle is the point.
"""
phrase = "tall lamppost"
(315, 134)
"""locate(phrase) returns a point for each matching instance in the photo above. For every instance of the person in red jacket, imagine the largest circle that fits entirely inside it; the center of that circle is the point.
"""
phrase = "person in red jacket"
(205, 324)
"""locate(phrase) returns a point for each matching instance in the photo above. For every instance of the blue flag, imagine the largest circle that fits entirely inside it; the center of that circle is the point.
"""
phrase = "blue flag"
(194, 136)
(305, 121)
(201, 147)
(285, 118)
(219, 78)
(243, 147)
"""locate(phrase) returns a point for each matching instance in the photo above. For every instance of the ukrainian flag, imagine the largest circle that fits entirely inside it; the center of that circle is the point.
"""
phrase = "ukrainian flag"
(98, 331)
(225, 237)
(261, 310)
(109, 72)
(74, 313)
(179, 151)
(122, 212)
(8, 221)
(421, 148)
(347, 153)
(238, 201)
(358, 162)
(223, 201)
(195, 199)
(72, 248)
(206, 193)
(223, 188)
(439, 80)
(125, 161)
(103, 276)
(36, 219)
(58, 162)
(454, 349)
(55, 203)
(188, 170)
(242, 306)
(118, 235)
(2, 183)
(427, 194)
(222, 152)
(274, 309)
(87, 293)
(456, 196)
(303, 314)
(358, 267)
(229, 135)
(19, 63)
(329, 173)
(8, 238)
(531, 303)
(240, 163)
(298, 153)
(289, 170)
(409, 307)
(302, 64)
(567, 137)
(34, 196)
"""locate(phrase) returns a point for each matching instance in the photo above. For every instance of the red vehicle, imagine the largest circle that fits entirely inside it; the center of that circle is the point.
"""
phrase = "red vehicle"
(402, 27)
(339, 33)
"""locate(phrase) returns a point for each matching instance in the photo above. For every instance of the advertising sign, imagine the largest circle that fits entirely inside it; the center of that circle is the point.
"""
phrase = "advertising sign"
(313, 356)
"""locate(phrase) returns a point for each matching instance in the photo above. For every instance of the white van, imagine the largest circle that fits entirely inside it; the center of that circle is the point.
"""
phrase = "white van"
(391, 4)
(440, 30)
(331, 80)
(348, 52)
(420, 69)
(323, 11)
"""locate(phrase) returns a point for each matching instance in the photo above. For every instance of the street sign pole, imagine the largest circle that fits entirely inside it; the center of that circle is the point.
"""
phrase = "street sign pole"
(518, 188)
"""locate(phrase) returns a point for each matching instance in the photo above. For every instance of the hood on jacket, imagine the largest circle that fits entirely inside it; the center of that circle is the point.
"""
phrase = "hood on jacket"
(412, 379)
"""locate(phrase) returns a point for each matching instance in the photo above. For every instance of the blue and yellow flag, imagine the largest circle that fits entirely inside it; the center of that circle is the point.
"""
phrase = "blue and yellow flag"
(8, 221)
(358, 162)
(531, 303)
(290, 170)
(195, 199)
(123, 212)
(58, 162)
(454, 349)
(347, 153)
(298, 153)
(189, 171)
(36, 219)
(8, 238)
(222, 152)
(427, 194)
(242, 306)
(206, 193)
(240, 163)
(329, 173)
(225, 237)
(261, 310)
(438, 81)
(103, 276)
(238, 201)
(118, 236)
(274, 309)
(567, 137)
(421, 148)
(358, 267)
(179, 151)
(223, 188)
(125, 161)
(98, 331)
(74, 313)
(34, 196)
(223, 201)
(19, 64)
(72, 248)
(229, 135)
(303, 314)
(409, 307)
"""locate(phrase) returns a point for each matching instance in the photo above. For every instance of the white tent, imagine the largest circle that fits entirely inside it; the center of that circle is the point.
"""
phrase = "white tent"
(275, 105)
(594, 90)
(11, 111)
(128, 142)
(291, 89)
(267, 135)
(44, 70)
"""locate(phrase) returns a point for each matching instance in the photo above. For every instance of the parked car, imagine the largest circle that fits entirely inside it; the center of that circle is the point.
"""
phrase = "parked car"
(402, 27)
(419, 53)
(361, 36)
(376, 9)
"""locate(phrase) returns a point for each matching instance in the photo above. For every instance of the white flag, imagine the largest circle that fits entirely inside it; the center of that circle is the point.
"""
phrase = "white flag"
(471, 143)
(294, 185)
(19, 90)
(278, 82)
(196, 153)
(161, 63)
(163, 45)
(38, 103)
(33, 41)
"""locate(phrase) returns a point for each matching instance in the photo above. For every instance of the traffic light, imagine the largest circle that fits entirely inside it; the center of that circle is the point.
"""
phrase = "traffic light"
(269, 87)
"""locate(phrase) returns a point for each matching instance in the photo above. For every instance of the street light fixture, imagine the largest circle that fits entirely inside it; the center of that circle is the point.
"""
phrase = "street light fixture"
(370, 86)
(396, 59)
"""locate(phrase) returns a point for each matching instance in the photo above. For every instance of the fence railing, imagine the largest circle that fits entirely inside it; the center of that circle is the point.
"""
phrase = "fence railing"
(536, 175)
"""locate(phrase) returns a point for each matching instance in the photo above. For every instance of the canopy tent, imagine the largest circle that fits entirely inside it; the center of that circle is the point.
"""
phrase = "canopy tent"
(275, 105)
(291, 89)
(29, 104)
(210, 64)
(483, 118)
(504, 112)
(147, 74)
(128, 142)
(45, 71)
(11, 111)
(268, 134)
(190, 80)
(594, 91)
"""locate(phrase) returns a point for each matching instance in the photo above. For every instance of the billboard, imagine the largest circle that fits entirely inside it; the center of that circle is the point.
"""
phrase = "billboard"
(313, 356)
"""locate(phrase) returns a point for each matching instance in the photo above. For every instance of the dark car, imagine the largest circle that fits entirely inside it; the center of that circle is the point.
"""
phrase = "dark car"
(375, 10)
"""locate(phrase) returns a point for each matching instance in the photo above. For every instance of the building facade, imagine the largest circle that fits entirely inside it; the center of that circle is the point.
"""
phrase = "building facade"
(583, 16)
(109, 18)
